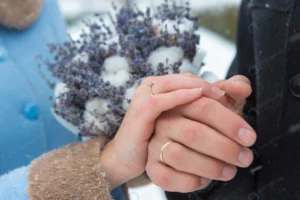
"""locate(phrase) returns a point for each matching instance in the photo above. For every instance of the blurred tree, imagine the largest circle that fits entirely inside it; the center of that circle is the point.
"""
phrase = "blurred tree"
(222, 21)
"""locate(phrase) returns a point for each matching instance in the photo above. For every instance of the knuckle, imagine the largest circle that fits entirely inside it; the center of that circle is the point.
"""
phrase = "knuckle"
(139, 89)
(144, 108)
(149, 104)
(166, 82)
(228, 150)
(206, 105)
(152, 102)
(175, 153)
(189, 134)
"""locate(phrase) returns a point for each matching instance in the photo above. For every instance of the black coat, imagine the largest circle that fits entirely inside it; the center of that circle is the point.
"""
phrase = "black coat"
(268, 53)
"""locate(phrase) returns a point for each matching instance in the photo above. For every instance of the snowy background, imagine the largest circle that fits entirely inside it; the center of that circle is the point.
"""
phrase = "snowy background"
(219, 51)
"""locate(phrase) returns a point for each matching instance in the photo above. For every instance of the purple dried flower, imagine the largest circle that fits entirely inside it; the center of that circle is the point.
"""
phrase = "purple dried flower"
(137, 37)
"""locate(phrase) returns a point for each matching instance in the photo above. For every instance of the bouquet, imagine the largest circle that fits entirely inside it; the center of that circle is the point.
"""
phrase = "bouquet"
(99, 72)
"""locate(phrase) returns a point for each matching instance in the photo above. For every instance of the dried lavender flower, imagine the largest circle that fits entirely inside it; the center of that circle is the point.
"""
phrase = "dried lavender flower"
(99, 72)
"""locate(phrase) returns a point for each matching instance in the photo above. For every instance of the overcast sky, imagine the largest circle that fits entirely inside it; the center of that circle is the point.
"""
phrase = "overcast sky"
(72, 8)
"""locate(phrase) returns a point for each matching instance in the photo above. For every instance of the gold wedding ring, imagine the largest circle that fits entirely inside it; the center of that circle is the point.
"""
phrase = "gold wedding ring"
(162, 152)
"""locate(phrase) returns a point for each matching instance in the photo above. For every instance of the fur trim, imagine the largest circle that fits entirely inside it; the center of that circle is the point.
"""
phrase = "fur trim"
(19, 14)
(72, 172)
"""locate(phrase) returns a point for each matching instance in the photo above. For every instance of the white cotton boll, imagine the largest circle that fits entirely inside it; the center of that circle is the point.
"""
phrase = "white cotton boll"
(83, 57)
(186, 25)
(98, 105)
(90, 118)
(94, 109)
(160, 55)
(59, 90)
(114, 64)
(116, 79)
(188, 67)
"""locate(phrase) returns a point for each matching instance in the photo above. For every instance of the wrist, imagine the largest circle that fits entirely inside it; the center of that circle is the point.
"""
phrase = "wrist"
(116, 173)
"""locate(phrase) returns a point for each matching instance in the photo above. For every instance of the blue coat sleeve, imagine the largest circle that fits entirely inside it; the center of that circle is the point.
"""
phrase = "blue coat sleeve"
(13, 185)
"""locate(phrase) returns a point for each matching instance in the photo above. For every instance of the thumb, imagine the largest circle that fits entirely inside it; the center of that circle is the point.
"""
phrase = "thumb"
(237, 89)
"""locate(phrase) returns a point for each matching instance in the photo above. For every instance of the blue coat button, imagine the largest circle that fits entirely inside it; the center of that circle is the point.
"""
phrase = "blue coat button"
(31, 111)
(3, 54)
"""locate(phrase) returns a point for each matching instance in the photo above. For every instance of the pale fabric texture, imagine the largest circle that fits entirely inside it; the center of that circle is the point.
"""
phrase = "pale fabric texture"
(13, 185)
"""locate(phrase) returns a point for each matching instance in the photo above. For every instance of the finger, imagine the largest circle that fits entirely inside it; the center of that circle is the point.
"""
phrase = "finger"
(180, 158)
(236, 93)
(191, 75)
(206, 141)
(169, 83)
(226, 100)
(238, 88)
(215, 115)
(149, 108)
(174, 181)
(167, 101)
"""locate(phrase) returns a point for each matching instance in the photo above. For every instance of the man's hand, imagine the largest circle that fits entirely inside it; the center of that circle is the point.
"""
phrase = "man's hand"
(208, 140)
(125, 157)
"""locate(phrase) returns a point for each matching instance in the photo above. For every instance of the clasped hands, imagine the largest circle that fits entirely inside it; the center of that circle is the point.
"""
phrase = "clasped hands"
(206, 137)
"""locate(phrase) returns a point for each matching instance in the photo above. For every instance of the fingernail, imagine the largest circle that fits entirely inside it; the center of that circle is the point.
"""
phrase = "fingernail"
(195, 91)
(217, 91)
(246, 136)
(204, 181)
(228, 172)
(242, 82)
(245, 157)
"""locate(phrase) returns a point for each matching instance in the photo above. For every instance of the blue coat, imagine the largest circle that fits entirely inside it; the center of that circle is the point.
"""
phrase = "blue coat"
(27, 127)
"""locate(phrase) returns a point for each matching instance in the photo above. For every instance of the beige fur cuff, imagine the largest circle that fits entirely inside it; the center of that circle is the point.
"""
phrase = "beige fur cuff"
(72, 172)
(19, 14)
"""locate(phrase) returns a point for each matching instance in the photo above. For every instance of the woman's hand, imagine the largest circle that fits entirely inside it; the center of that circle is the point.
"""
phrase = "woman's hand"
(208, 141)
(125, 157)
